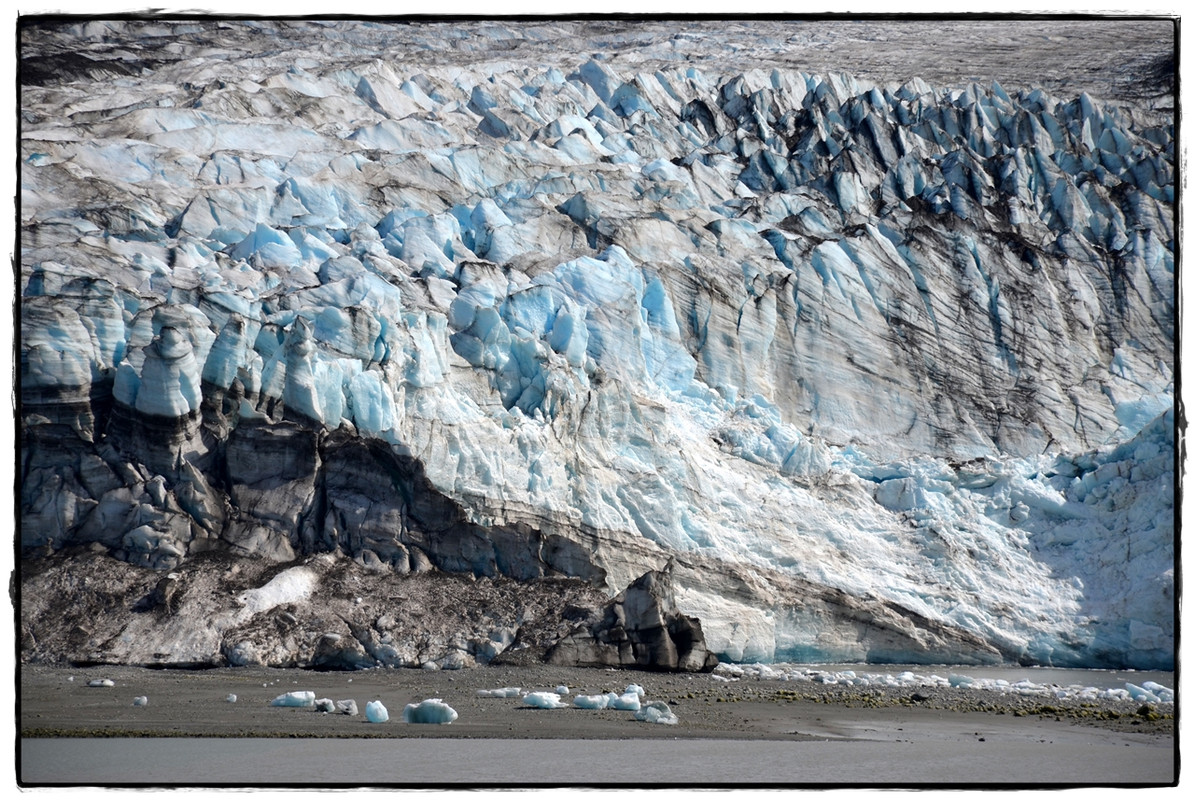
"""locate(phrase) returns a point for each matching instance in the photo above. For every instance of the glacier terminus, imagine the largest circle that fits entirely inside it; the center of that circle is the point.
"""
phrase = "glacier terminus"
(425, 343)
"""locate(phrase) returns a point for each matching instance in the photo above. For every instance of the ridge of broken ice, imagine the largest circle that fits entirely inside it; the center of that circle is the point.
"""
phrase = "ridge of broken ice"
(909, 344)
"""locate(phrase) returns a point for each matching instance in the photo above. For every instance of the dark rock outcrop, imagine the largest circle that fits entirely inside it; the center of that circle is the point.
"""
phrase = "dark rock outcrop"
(641, 628)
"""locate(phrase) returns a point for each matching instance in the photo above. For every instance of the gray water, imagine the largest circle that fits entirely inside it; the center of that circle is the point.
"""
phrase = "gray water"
(1090, 758)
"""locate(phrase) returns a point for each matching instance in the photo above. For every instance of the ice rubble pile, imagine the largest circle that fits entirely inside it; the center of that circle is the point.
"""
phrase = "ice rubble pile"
(631, 699)
(888, 370)
(1147, 692)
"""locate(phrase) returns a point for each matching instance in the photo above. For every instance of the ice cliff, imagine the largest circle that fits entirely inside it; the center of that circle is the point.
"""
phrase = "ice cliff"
(886, 371)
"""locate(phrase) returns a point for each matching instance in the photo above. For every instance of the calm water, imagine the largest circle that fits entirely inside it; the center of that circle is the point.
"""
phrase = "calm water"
(1094, 759)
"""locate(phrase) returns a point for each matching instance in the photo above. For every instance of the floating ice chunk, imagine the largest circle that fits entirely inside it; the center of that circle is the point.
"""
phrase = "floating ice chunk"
(294, 700)
(376, 712)
(140, 700)
(961, 681)
(562, 690)
(347, 707)
(509, 691)
(232, 698)
(101, 682)
(635, 689)
(656, 711)
(325, 705)
(433, 712)
(544, 700)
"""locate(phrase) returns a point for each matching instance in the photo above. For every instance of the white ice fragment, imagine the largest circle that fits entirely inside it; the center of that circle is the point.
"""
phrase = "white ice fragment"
(562, 690)
(509, 691)
(101, 682)
(626, 702)
(656, 711)
(1165, 694)
(634, 688)
(325, 705)
(232, 698)
(347, 707)
(544, 700)
(593, 701)
(433, 712)
(293, 585)
(294, 700)
(376, 712)
(140, 700)
(1140, 694)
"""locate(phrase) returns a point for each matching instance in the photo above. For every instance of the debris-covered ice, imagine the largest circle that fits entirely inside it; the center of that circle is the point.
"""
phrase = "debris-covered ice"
(890, 367)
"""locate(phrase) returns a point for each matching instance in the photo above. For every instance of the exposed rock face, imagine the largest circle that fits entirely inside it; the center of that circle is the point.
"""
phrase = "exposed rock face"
(887, 369)
(322, 612)
(639, 628)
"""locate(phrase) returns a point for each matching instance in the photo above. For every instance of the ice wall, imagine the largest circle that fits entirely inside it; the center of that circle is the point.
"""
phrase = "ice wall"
(910, 346)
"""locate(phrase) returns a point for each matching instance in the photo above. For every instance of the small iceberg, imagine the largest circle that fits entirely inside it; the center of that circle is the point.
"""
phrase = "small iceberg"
(376, 712)
(544, 700)
(656, 711)
(294, 700)
(431, 712)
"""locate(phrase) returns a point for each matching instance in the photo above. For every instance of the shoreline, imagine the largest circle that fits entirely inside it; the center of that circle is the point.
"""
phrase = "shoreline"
(56, 701)
(746, 733)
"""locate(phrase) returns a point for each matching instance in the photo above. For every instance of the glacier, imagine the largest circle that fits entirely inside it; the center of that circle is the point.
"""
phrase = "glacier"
(876, 371)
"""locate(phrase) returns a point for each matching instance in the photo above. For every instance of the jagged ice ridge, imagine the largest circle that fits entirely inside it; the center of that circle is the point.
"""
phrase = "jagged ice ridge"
(886, 372)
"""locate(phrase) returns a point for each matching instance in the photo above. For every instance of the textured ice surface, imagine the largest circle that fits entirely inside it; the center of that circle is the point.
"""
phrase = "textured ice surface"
(544, 700)
(890, 356)
(375, 711)
(432, 712)
(628, 701)
(657, 712)
(593, 701)
(296, 699)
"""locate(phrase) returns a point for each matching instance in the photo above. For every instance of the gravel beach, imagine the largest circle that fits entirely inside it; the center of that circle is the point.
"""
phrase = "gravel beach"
(1122, 740)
